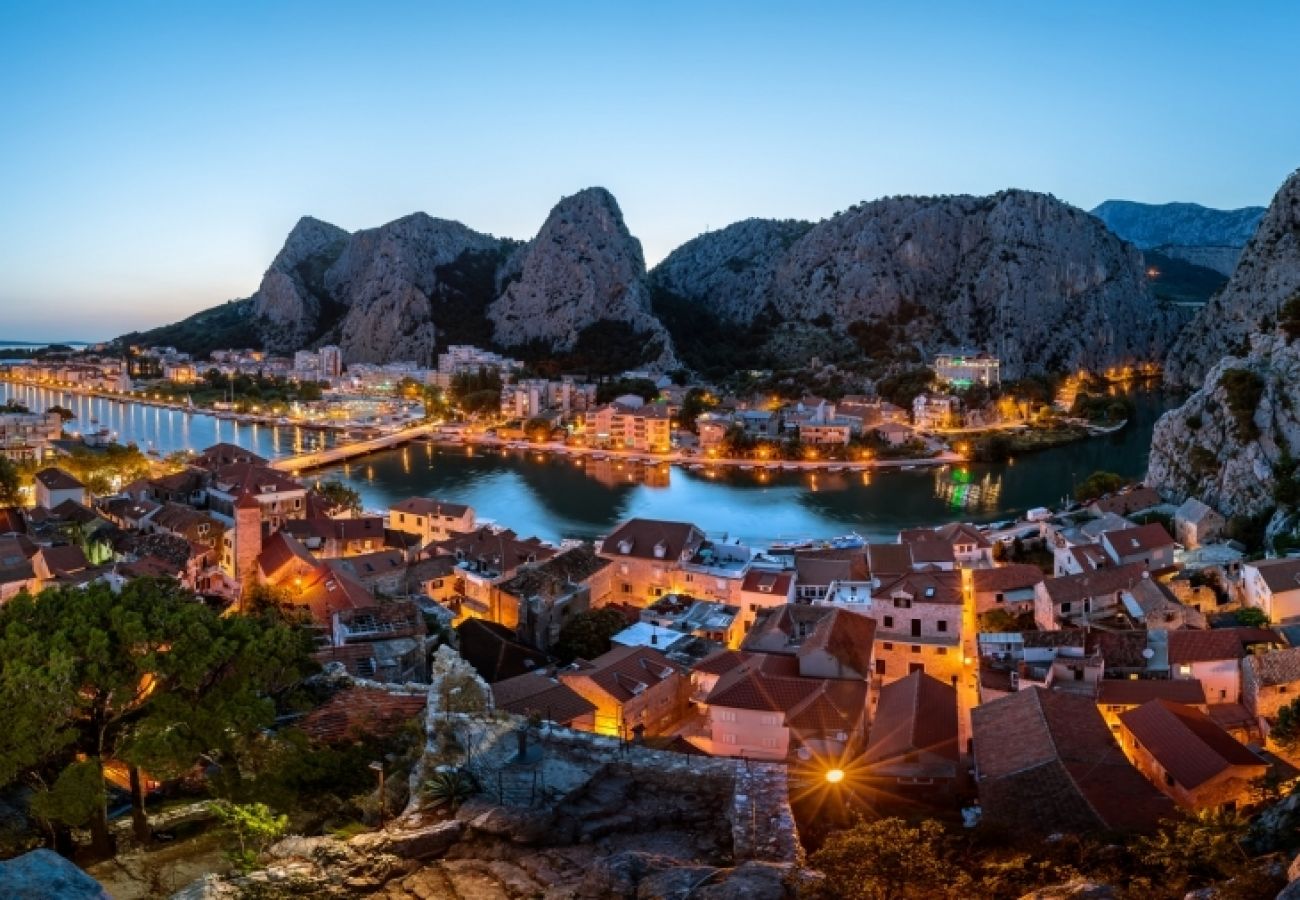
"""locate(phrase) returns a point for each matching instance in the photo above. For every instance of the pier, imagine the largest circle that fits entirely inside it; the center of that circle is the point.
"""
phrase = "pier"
(319, 459)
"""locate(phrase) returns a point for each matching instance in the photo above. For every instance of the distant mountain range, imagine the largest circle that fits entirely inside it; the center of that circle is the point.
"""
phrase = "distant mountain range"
(1196, 234)
(875, 288)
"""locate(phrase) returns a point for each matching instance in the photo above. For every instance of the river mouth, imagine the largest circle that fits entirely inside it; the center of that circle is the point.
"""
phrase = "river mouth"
(557, 497)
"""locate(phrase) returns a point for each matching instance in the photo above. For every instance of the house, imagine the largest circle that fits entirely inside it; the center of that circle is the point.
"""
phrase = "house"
(382, 642)
(17, 572)
(26, 437)
(1009, 588)
(1214, 657)
(278, 496)
(830, 642)
(1045, 762)
(816, 571)
(963, 546)
(1196, 524)
(895, 434)
(494, 651)
(773, 705)
(1188, 757)
(53, 564)
(382, 572)
(1119, 695)
(484, 558)
(1270, 681)
(705, 619)
(226, 454)
(914, 737)
(542, 694)
(53, 486)
(430, 519)
(763, 589)
(538, 600)
(1273, 585)
(635, 690)
(647, 428)
(648, 557)
(182, 521)
(1126, 503)
(931, 411)
(1149, 545)
(1071, 597)
(832, 433)
(330, 538)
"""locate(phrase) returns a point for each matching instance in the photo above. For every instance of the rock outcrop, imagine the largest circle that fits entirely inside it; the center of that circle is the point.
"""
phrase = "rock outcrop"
(583, 267)
(1197, 234)
(288, 301)
(1043, 285)
(1267, 275)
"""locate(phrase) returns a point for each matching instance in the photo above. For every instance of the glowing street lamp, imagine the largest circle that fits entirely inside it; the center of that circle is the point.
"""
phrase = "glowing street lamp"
(834, 776)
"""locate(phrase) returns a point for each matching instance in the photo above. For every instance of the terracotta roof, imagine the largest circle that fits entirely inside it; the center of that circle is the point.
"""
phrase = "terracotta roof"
(64, 560)
(1186, 743)
(782, 629)
(370, 565)
(847, 636)
(283, 556)
(925, 587)
(813, 570)
(915, 714)
(625, 672)
(357, 713)
(762, 581)
(225, 454)
(557, 575)
(329, 592)
(1047, 761)
(1089, 557)
(1075, 588)
(1141, 539)
(495, 652)
(1135, 692)
(721, 662)
(253, 478)
(1217, 643)
(1277, 667)
(1281, 575)
(55, 479)
(541, 693)
(1126, 502)
(838, 705)
(327, 529)
(884, 560)
(653, 539)
(502, 549)
(176, 517)
(1012, 577)
(11, 520)
(1120, 649)
(427, 506)
(186, 481)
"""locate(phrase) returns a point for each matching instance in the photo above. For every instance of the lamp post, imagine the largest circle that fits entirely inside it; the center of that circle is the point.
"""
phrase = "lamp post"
(378, 768)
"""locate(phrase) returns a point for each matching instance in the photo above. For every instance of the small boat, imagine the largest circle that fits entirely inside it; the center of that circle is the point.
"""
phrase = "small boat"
(790, 467)
(850, 541)
(746, 468)
(788, 546)
(907, 468)
(695, 467)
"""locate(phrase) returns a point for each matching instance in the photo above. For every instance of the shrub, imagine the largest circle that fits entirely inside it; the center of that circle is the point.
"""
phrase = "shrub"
(1243, 390)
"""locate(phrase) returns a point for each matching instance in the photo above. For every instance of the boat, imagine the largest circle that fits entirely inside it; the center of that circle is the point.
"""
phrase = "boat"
(789, 546)
(907, 468)
(746, 468)
(850, 541)
(790, 467)
(695, 467)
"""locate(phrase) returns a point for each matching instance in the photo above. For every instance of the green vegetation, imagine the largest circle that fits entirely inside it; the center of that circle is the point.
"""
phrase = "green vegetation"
(642, 387)
(1244, 389)
(1180, 281)
(150, 677)
(901, 389)
(477, 392)
(1251, 617)
(248, 392)
(1098, 484)
(254, 828)
(1289, 321)
(218, 328)
(13, 406)
(1101, 408)
(587, 635)
(1286, 733)
(11, 481)
(450, 787)
(340, 496)
(1286, 489)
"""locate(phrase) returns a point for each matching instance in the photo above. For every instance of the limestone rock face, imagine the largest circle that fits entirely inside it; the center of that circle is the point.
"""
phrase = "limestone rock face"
(730, 271)
(1038, 282)
(386, 277)
(583, 267)
(1200, 450)
(1207, 237)
(287, 302)
(1267, 275)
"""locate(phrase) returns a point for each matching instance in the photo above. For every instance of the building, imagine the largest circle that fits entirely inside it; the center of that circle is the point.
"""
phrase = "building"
(914, 746)
(1119, 695)
(54, 486)
(329, 361)
(1188, 757)
(711, 621)
(1126, 503)
(932, 411)
(1149, 545)
(1270, 681)
(1079, 597)
(430, 519)
(540, 599)
(1273, 585)
(1196, 524)
(542, 694)
(962, 370)
(649, 558)
(1045, 762)
(1214, 657)
(620, 426)
(278, 497)
(763, 589)
(956, 545)
(27, 437)
(635, 691)
(1009, 588)
(485, 558)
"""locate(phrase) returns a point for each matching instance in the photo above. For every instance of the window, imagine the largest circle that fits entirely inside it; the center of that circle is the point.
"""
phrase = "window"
(627, 588)
(889, 621)
(728, 739)
(880, 667)
(1185, 670)
(940, 651)
(1065, 608)
(656, 592)
(915, 667)
(769, 742)
(916, 648)
(942, 625)
(726, 715)
(771, 720)
(887, 646)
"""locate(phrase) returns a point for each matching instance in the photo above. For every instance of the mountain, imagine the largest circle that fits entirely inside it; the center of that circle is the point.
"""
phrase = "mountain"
(1206, 237)
(1038, 282)
(1233, 439)
(1267, 275)
(873, 289)
(584, 267)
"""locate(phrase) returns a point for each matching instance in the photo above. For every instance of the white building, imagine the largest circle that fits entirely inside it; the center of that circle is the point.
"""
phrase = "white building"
(962, 370)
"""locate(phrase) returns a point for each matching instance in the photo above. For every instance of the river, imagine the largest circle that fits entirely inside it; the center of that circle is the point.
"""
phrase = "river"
(557, 497)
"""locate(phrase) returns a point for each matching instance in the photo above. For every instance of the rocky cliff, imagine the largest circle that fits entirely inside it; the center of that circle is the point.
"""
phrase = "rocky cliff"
(1023, 275)
(1267, 275)
(1197, 234)
(583, 267)
(288, 301)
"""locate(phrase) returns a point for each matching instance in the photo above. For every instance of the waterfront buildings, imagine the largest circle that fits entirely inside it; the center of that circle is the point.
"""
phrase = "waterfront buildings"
(29, 436)
(962, 370)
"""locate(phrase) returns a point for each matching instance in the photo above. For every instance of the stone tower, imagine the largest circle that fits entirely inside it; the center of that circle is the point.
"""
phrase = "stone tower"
(248, 539)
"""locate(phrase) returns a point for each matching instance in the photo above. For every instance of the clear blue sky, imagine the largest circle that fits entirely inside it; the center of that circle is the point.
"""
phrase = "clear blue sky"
(155, 154)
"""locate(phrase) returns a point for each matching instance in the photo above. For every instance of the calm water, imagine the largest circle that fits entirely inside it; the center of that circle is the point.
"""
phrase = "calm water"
(555, 497)
(165, 430)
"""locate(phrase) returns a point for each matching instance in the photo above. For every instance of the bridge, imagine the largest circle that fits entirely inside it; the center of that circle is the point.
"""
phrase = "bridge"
(319, 459)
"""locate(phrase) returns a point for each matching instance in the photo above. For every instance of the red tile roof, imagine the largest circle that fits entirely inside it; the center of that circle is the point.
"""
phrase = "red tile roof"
(721, 662)
(56, 479)
(1186, 743)
(625, 672)
(539, 692)
(934, 586)
(653, 539)
(1281, 575)
(1122, 504)
(915, 714)
(1099, 582)
(762, 581)
(1217, 643)
(357, 713)
(1135, 692)
(1141, 539)
(847, 636)
(427, 506)
(1012, 577)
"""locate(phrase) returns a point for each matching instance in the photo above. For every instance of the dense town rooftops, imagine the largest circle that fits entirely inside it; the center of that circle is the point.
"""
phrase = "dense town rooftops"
(542, 693)
(915, 714)
(1280, 575)
(55, 479)
(428, 506)
(1277, 667)
(1140, 539)
(556, 575)
(1011, 577)
(1186, 646)
(653, 539)
(763, 581)
(625, 672)
(252, 478)
(225, 454)
(1096, 583)
(925, 587)
(1135, 692)
(492, 551)
(1127, 502)
(1186, 743)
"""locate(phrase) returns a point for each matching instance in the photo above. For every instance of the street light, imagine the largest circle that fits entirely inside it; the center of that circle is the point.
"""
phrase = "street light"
(378, 768)
(834, 776)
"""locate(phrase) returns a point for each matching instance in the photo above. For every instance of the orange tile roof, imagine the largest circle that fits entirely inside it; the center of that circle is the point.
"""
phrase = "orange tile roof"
(357, 713)
(915, 714)
(1186, 743)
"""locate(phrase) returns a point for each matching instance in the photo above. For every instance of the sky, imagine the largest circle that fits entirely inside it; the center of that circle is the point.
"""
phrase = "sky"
(153, 155)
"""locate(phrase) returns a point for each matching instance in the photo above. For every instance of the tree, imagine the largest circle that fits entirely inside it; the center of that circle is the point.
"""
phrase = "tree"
(587, 635)
(63, 412)
(13, 406)
(538, 429)
(1195, 850)
(1286, 733)
(1098, 484)
(150, 677)
(340, 496)
(10, 482)
(1251, 617)
(254, 827)
(889, 860)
